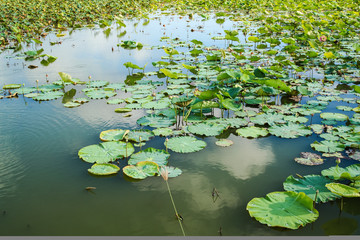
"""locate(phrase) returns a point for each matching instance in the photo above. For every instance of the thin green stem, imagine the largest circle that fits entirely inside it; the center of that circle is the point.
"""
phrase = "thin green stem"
(177, 215)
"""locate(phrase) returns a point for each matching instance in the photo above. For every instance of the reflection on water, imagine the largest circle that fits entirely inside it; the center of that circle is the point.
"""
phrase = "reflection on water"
(340, 226)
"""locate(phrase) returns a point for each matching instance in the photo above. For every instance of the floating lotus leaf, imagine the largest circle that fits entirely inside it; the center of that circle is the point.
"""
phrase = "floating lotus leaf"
(343, 190)
(296, 119)
(96, 93)
(133, 106)
(246, 113)
(186, 144)
(182, 101)
(172, 171)
(344, 108)
(11, 86)
(161, 104)
(103, 169)
(354, 154)
(156, 121)
(81, 100)
(50, 87)
(123, 110)
(235, 122)
(97, 84)
(207, 129)
(105, 152)
(71, 104)
(271, 119)
(48, 96)
(31, 95)
(334, 116)
(224, 142)
(115, 101)
(160, 157)
(290, 130)
(112, 135)
(351, 172)
(116, 86)
(141, 170)
(25, 90)
(135, 135)
(328, 146)
(253, 132)
(163, 132)
(336, 155)
(317, 128)
(309, 159)
(328, 136)
(309, 185)
(283, 209)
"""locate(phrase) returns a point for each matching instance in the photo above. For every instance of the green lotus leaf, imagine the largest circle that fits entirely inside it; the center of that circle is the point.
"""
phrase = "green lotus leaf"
(309, 185)
(296, 119)
(97, 84)
(283, 209)
(123, 110)
(135, 135)
(268, 118)
(343, 190)
(160, 157)
(329, 136)
(11, 86)
(141, 170)
(105, 152)
(112, 135)
(163, 132)
(290, 130)
(172, 171)
(103, 169)
(71, 104)
(50, 87)
(235, 122)
(344, 108)
(115, 101)
(95, 93)
(182, 101)
(205, 104)
(161, 104)
(334, 116)
(156, 121)
(116, 86)
(186, 144)
(351, 172)
(328, 146)
(309, 159)
(224, 142)
(252, 132)
(207, 129)
(48, 96)
(80, 100)
(25, 90)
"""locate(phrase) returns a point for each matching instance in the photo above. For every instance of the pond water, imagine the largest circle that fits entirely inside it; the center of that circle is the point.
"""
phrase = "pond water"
(43, 181)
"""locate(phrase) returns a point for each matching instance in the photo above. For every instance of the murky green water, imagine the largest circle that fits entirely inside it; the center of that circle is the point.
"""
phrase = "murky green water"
(43, 181)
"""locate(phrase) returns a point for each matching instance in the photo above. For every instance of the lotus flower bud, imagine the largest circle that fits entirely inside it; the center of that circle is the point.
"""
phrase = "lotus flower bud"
(322, 38)
(338, 161)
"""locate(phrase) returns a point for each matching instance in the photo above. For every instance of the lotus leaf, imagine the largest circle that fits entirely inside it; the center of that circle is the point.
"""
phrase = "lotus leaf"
(123, 110)
(224, 142)
(317, 128)
(112, 135)
(354, 154)
(343, 190)
(71, 104)
(160, 157)
(207, 129)
(328, 136)
(283, 209)
(252, 132)
(105, 152)
(309, 185)
(351, 172)
(310, 159)
(95, 93)
(103, 169)
(268, 118)
(141, 170)
(50, 87)
(161, 104)
(135, 135)
(48, 96)
(172, 171)
(11, 86)
(186, 144)
(290, 130)
(81, 100)
(163, 132)
(334, 116)
(328, 146)
(156, 121)
(235, 122)
(97, 84)
(115, 101)
(25, 90)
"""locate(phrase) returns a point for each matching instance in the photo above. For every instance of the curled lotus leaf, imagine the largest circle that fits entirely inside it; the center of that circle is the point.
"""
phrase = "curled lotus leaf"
(112, 135)
(309, 185)
(141, 135)
(252, 132)
(123, 110)
(185, 144)
(141, 170)
(283, 209)
(103, 169)
(343, 190)
(310, 159)
(351, 172)
(150, 154)
(224, 142)
(11, 86)
(207, 129)
(290, 130)
(327, 146)
(105, 152)
(334, 116)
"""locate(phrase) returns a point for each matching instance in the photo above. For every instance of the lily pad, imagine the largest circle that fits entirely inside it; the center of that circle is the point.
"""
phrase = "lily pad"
(171, 171)
(150, 154)
(11, 86)
(185, 144)
(123, 110)
(163, 132)
(290, 130)
(224, 142)
(48, 96)
(96, 93)
(253, 132)
(283, 209)
(112, 135)
(343, 190)
(105, 152)
(328, 146)
(207, 129)
(309, 185)
(156, 121)
(141, 170)
(351, 172)
(310, 159)
(135, 135)
(97, 84)
(71, 104)
(103, 169)
(334, 116)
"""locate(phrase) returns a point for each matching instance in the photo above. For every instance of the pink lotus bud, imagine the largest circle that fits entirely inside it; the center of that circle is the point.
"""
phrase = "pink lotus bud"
(322, 38)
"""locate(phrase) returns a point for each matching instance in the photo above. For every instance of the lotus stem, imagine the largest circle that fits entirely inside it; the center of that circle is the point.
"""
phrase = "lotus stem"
(341, 204)
(140, 142)
(182, 120)
(166, 142)
(316, 194)
(126, 155)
